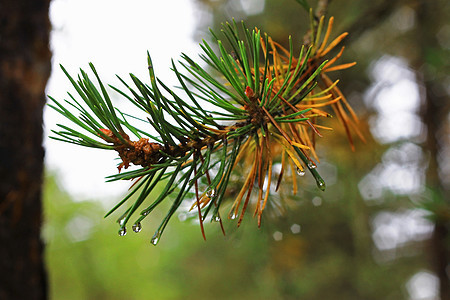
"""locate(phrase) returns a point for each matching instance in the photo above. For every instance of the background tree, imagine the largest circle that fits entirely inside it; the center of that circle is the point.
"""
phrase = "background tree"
(24, 70)
(413, 31)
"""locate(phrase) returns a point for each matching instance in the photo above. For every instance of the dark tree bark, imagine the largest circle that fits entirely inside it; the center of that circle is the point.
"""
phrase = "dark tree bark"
(24, 69)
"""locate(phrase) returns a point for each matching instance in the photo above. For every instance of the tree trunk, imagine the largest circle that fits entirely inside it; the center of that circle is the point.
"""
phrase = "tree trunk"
(24, 69)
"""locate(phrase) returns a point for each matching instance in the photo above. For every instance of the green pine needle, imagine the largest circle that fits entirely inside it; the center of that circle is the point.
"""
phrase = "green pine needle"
(261, 109)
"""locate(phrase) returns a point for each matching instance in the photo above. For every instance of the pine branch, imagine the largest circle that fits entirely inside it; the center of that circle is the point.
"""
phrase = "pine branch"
(264, 107)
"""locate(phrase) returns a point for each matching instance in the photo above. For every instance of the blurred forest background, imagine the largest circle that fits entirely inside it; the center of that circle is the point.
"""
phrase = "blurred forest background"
(379, 231)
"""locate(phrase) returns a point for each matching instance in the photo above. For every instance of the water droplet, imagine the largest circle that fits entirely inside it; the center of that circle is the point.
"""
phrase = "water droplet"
(155, 238)
(122, 231)
(233, 216)
(320, 184)
(122, 222)
(137, 227)
(145, 213)
(211, 193)
(300, 172)
(217, 219)
(311, 165)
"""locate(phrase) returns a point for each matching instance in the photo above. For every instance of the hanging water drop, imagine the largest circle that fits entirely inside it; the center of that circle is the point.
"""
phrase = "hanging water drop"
(137, 227)
(155, 238)
(320, 184)
(122, 222)
(122, 231)
(311, 165)
(300, 172)
(217, 218)
(211, 193)
(233, 216)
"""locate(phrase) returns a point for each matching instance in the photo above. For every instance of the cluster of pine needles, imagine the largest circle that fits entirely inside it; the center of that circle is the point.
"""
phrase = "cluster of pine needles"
(253, 103)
